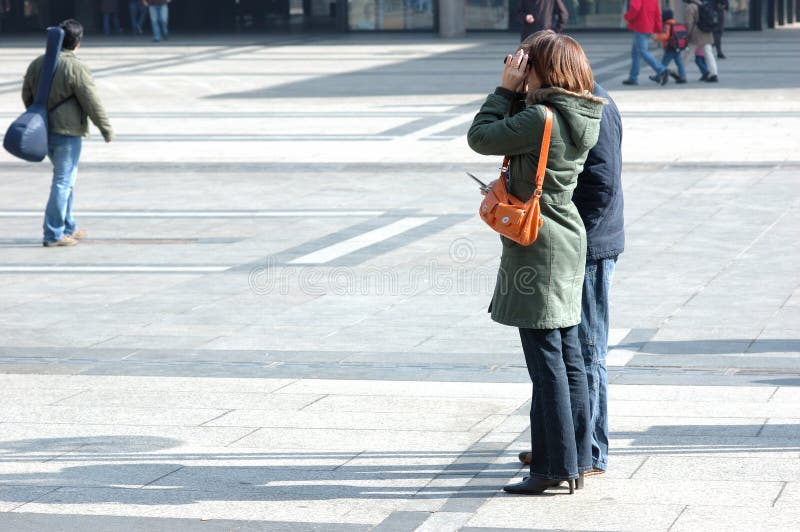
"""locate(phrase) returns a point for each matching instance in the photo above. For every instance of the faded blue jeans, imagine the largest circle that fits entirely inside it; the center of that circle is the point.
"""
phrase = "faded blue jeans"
(639, 51)
(593, 332)
(159, 20)
(64, 152)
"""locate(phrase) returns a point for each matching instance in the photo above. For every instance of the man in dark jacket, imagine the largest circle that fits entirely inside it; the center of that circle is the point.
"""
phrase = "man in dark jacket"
(537, 15)
(598, 197)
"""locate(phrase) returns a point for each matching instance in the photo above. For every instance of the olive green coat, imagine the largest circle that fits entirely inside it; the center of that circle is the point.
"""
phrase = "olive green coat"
(72, 84)
(539, 286)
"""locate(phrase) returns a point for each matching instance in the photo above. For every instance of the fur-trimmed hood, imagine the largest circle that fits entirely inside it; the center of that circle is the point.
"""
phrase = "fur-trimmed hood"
(582, 112)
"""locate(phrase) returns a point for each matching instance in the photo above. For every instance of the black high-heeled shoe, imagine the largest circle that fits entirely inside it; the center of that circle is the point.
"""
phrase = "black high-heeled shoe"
(537, 486)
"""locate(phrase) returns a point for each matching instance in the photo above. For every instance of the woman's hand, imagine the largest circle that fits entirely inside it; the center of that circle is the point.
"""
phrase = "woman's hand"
(515, 72)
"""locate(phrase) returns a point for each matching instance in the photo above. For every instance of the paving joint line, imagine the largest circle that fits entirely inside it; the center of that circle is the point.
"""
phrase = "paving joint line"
(678, 517)
(243, 437)
(783, 487)
(761, 429)
(205, 423)
(42, 496)
(161, 477)
(646, 458)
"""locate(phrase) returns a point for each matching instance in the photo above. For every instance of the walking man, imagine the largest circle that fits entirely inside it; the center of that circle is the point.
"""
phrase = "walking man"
(73, 98)
(137, 12)
(644, 18)
(598, 197)
(538, 15)
(159, 18)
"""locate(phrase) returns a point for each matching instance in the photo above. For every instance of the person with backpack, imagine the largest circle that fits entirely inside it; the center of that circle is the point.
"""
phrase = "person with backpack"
(73, 98)
(644, 19)
(701, 19)
(674, 40)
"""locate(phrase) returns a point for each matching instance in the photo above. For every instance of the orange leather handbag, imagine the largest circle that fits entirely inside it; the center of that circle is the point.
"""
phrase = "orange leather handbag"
(512, 218)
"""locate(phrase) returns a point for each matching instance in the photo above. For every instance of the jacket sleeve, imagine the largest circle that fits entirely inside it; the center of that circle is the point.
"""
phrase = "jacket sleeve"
(691, 19)
(633, 10)
(523, 9)
(493, 132)
(28, 88)
(86, 93)
(563, 16)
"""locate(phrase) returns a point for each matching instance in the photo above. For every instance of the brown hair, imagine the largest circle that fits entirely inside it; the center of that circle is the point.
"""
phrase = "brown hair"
(559, 61)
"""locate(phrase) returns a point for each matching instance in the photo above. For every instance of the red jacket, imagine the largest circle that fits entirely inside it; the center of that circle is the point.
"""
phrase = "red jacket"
(644, 16)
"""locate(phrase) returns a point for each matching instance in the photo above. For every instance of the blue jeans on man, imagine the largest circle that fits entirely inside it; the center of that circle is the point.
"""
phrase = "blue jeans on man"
(593, 333)
(159, 18)
(638, 52)
(64, 152)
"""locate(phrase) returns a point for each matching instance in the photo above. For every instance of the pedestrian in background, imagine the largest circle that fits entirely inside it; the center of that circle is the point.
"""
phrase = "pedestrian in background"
(722, 7)
(110, 11)
(538, 287)
(136, 10)
(671, 53)
(73, 98)
(159, 18)
(701, 40)
(538, 15)
(644, 19)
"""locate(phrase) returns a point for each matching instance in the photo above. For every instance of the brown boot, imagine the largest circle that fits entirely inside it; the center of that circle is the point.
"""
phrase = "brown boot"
(65, 241)
(79, 234)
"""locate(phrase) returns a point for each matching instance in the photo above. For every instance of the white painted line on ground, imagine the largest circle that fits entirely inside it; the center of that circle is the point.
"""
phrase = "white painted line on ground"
(201, 214)
(619, 357)
(615, 336)
(113, 269)
(361, 241)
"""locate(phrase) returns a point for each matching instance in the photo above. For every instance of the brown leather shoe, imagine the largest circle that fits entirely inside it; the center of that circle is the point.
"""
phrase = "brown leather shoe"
(65, 241)
(79, 234)
(526, 457)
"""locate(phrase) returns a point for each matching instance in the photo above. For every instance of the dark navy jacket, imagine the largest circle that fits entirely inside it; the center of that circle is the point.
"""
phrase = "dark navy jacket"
(598, 195)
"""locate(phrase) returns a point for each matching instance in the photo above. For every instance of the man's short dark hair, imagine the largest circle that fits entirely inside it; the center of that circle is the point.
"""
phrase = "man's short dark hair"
(73, 33)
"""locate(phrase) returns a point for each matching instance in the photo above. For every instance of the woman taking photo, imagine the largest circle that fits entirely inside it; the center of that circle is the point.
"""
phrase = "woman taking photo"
(538, 288)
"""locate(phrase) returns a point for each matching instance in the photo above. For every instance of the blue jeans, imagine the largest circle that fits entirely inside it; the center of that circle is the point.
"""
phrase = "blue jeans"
(108, 18)
(64, 152)
(700, 61)
(593, 332)
(136, 11)
(159, 17)
(560, 435)
(671, 54)
(639, 50)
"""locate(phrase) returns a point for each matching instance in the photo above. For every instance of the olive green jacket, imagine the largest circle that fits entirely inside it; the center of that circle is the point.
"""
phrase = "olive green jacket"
(72, 84)
(539, 286)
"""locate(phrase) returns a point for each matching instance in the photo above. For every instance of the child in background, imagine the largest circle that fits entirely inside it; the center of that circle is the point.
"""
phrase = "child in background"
(674, 42)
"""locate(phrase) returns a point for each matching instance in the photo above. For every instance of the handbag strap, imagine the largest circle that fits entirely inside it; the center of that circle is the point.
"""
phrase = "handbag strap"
(544, 151)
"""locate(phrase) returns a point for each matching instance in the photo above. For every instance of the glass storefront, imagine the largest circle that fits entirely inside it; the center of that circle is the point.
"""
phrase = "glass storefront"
(364, 15)
(487, 14)
(390, 15)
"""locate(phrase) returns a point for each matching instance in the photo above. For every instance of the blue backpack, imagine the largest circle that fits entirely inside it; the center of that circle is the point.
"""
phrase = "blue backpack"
(26, 137)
